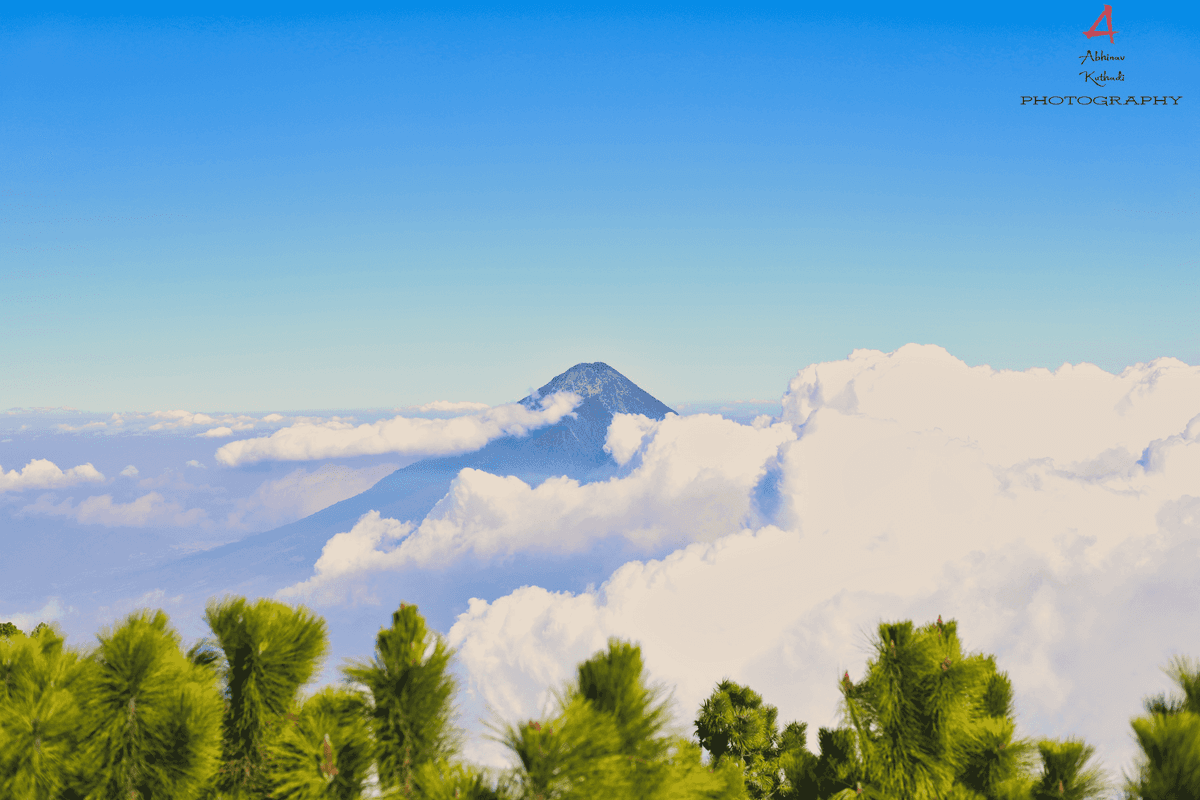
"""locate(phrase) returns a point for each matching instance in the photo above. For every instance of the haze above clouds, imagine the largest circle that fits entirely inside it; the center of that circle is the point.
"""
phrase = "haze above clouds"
(181, 491)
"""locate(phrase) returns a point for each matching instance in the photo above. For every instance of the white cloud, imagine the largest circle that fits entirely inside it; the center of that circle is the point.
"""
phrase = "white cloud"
(149, 509)
(691, 480)
(301, 493)
(130, 472)
(194, 463)
(87, 426)
(216, 433)
(336, 438)
(1056, 515)
(163, 422)
(626, 435)
(347, 556)
(1070, 414)
(41, 473)
(52, 611)
(179, 419)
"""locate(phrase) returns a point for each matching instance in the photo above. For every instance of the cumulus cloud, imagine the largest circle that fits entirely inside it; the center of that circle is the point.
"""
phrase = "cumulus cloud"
(626, 435)
(1070, 414)
(1056, 515)
(690, 478)
(148, 510)
(301, 493)
(52, 611)
(41, 473)
(130, 472)
(216, 433)
(347, 556)
(336, 438)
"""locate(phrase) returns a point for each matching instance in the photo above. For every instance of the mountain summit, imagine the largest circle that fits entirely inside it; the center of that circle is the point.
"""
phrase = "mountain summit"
(575, 446)
(609, 388)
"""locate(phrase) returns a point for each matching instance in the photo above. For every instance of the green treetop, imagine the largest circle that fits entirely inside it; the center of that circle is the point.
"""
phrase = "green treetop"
(734, 723)
(609, 740)
(39, 716)
(152, 718)
(268, 651)
(410, 698)
(1169, 739)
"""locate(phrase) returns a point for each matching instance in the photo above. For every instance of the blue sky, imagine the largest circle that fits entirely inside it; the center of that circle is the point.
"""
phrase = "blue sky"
(251, 212)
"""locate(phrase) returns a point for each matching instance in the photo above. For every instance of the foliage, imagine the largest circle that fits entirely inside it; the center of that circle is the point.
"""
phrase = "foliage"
(574, 755)
(442, 780)
(324, 750)
(410, 690)
(1169, 739)
(138, 718)
(39, 716)
(734, 723)
(609, 740)
(270, 650)
(152, 718)
(807, 776)
(612, 681)
(1064, 776)
(930, 721)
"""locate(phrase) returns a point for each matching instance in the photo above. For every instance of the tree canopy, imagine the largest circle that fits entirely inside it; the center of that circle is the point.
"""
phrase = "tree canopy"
(137, 716)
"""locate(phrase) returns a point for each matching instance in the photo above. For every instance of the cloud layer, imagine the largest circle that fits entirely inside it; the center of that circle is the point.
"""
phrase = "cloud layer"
(306, 441)
(40, 473)
(688, 479)
(150, 509)
(1056, 515)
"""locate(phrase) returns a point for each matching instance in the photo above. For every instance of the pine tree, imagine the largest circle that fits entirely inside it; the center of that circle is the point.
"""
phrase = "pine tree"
(930, 722)
(323, 750)
(734, 723)
(613, 682)
(573, 756)
(152, 719)
(1169, 738)
(609, 740)
(442, 780)
(929, 719)
(1065, 774)
(269, 651)
(410, 700)
(39, 715)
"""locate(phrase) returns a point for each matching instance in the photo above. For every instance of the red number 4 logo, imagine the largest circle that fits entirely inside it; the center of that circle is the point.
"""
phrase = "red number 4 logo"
(1105, 17)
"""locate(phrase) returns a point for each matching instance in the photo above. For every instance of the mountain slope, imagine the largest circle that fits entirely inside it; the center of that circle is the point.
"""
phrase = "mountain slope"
(573, 447)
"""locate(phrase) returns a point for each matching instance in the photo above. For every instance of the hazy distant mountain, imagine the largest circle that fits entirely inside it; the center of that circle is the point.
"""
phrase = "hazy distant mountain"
(573, 447)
